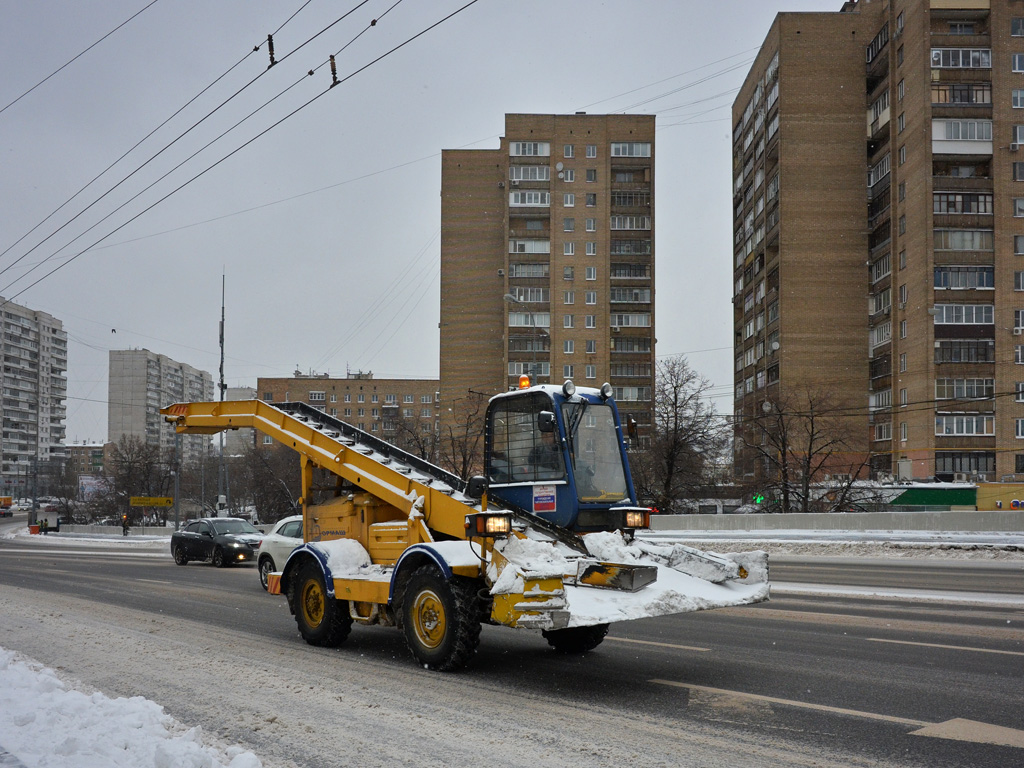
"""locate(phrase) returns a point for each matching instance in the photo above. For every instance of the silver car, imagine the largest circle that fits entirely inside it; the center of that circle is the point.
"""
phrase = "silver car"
(277, 545)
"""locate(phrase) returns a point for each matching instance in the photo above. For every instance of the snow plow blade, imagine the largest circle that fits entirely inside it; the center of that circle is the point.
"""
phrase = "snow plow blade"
(536, 584)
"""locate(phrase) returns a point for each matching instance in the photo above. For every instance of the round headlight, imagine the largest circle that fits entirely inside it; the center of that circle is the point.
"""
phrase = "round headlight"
(568, 388)
(606, 390)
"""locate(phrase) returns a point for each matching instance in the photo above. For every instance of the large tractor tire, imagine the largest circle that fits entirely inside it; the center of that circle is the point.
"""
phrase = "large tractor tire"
(441, 619)
(322, 620)
(576, 639)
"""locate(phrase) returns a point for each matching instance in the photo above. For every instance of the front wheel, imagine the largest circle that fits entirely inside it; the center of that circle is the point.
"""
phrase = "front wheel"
(576, 639)
(441, 619)
(179, 555)
(266, 567)
(322, 620)
(218, 558)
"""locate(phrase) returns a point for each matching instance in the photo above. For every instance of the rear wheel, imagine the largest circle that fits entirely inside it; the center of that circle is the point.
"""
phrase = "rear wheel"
(576, 639)
(323, 621)
(266, 567)
(441, 619)
(179, 555)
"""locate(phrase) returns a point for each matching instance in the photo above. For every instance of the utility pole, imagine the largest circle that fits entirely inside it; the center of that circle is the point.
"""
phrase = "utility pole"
(177, 478)
(221, 471)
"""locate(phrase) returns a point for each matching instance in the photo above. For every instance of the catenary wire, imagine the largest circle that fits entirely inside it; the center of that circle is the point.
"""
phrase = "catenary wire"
(75, 58)
(246, 144)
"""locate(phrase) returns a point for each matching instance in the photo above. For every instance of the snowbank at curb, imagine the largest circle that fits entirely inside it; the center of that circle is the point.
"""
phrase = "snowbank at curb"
(45, 721)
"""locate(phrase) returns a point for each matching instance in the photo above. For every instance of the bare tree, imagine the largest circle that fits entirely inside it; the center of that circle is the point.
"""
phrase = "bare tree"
(687, 441)
(271, 479)
(460, 444)
(801, 440)
(135, 470)
(410, 436)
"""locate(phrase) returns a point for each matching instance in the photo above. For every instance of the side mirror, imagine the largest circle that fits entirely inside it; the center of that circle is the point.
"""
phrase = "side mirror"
(546, 421)
(476, 487)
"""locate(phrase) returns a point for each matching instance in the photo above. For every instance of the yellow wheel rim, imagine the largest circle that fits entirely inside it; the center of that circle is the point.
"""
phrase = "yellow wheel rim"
(312, 603)
(429, 619)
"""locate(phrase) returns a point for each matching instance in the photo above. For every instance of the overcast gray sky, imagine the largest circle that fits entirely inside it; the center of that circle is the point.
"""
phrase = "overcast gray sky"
(327, 225)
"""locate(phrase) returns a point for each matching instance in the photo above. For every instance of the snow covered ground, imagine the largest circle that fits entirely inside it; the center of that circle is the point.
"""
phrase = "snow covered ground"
(47, 721)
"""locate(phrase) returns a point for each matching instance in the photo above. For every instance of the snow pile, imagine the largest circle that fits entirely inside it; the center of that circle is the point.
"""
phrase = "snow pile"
(346, 557)
(45, 722)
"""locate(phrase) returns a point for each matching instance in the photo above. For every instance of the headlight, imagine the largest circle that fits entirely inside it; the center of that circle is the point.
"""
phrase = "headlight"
(492, 526)
(638, 518)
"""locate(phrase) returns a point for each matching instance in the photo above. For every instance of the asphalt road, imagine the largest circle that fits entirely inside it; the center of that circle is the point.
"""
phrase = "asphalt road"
(806, 679)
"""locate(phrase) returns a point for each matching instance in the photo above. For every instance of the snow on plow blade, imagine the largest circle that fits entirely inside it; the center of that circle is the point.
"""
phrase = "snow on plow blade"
(536, 583)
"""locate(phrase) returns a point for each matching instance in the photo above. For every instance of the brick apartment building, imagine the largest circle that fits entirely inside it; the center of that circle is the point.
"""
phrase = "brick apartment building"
(547, 260)
(384, 407)
(879, 244)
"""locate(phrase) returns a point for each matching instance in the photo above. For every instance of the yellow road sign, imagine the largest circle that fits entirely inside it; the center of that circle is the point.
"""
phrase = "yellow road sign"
(152, 501)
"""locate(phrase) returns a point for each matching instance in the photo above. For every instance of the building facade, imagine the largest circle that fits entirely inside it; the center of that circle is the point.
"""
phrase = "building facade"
(879, 250)
(35, 360)
(547, 260)
(139, 384)
(402, 411)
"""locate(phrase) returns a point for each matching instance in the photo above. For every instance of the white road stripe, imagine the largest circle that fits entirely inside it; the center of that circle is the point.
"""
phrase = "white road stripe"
(662, 645)
(957, 729)
(982, 598)
(940, 645)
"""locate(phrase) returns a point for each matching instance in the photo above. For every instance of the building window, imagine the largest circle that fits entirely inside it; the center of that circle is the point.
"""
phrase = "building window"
(899, 91)
(568, 297)
(630, 149)
(1018, 206)
(903, 259)
(591, 273)
(568, 249)
(590, 297)
(348, 398)
(591, 321)
(903, 329)
(568, 150)
(1018, 98)
(903, 398)
(591, 248)
(570, 175)
(529, 149)
(903, 431)
(1018, 281)
(591, 347)
(961, 58)
(591, 175)
(965, 389)
(1018, 245)
(903, 154)
(568, 273)
(963, 278)
(529, 199)
(591, 200)
(903, 225)
(899, 56)
(567, 371)
(964, 314)
(903, 362)
(568, 225)
(591, 371)
(568, 200)
(529, 173)
(964, 424)
(568, 321)
(1019, 392)
(1018, 171)
(591, 150)
(568, 346)
(901, 121)
(1018, 62)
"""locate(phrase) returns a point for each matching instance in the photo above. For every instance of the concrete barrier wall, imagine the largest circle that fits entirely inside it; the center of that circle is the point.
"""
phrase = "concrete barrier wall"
(115, 530)
(1010, 521)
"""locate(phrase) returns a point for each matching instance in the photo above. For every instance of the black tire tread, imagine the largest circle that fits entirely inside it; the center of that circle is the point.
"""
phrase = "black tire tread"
(576, 639)
(337, 622)
(464, 620)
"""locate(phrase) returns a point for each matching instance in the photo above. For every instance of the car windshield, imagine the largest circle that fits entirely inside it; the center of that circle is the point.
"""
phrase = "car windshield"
(233, 526)
(595, 454)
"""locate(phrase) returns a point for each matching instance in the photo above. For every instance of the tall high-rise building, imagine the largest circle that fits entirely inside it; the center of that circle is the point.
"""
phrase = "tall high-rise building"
(878, 199)
(140, 383)
(547, 260)
(35, 359)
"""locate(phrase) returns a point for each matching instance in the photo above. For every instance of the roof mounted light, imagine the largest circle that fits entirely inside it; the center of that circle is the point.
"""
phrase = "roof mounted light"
(568, 388)
(606, 391)
(524, 381)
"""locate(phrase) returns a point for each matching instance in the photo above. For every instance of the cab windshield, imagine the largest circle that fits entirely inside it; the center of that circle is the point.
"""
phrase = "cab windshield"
(233, 526)
(594, 451)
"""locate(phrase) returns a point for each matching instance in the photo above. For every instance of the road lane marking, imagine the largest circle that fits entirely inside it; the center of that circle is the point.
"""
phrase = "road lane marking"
(923, 595)
(957, 729)
(661, 645)
(949, 647)
(800, 704)
(154, 581)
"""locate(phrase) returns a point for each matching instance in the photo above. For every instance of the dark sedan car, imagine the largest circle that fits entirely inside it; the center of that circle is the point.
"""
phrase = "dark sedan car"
(221, 540)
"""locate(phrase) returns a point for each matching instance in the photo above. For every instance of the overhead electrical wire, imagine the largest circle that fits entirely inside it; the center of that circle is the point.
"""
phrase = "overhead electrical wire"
(75, 58)
(241, 147)
(169, 145)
